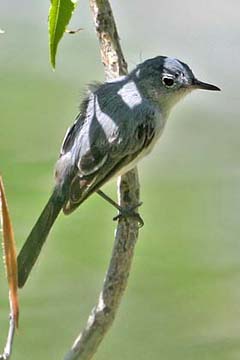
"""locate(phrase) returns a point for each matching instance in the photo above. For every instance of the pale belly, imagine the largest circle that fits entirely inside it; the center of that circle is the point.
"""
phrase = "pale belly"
(141, 155)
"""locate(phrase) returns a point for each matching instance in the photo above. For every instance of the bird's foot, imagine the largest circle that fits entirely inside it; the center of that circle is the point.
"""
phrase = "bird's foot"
(130, 212)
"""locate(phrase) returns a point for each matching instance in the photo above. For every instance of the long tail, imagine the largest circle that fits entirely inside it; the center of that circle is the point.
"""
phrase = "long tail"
(33, 245)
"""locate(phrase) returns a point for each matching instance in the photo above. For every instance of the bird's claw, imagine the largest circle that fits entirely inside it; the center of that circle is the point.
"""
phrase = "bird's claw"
(129, 212)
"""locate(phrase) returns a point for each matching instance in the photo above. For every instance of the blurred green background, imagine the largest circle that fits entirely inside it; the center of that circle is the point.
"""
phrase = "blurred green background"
(183, 298)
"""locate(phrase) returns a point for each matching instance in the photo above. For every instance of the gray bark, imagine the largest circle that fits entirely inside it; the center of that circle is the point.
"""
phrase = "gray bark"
(103, 314)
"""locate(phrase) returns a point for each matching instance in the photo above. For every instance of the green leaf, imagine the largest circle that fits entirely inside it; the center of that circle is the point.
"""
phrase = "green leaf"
(60, 13)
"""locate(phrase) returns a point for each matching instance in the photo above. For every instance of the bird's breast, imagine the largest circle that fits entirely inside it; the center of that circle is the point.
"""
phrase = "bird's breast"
(158, 127)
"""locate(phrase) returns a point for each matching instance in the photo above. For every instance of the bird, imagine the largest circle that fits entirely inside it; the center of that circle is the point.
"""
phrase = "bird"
(119, 123)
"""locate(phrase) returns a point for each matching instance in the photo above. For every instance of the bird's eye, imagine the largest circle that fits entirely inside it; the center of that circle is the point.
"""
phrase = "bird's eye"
(167, 81)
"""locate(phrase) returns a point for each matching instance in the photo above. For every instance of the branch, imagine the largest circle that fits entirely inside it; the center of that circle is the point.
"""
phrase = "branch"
(9, 254)
(9, 342)
(103, 314)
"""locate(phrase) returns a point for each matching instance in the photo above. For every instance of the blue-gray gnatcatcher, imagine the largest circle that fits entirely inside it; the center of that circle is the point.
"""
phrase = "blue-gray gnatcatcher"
(119, 123)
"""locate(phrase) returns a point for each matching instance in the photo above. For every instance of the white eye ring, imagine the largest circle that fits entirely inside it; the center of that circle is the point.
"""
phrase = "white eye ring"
(168, 81)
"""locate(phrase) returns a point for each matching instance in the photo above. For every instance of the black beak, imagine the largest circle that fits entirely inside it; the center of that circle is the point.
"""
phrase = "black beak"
(205, 86)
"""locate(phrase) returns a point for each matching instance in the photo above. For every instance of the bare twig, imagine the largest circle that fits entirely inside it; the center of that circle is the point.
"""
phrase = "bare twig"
(11, 270)
(73, 32)
(11, 331)
(126, 235)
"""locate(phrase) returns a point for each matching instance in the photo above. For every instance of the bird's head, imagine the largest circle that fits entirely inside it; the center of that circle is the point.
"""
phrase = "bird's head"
(166, 80)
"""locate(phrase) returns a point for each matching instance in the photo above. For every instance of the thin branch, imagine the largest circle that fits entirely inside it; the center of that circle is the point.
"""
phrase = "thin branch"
(11, 331)
(103, 314)
(9, 253)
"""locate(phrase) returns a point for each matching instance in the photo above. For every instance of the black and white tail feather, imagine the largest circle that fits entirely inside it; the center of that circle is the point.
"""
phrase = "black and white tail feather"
(33, 245)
